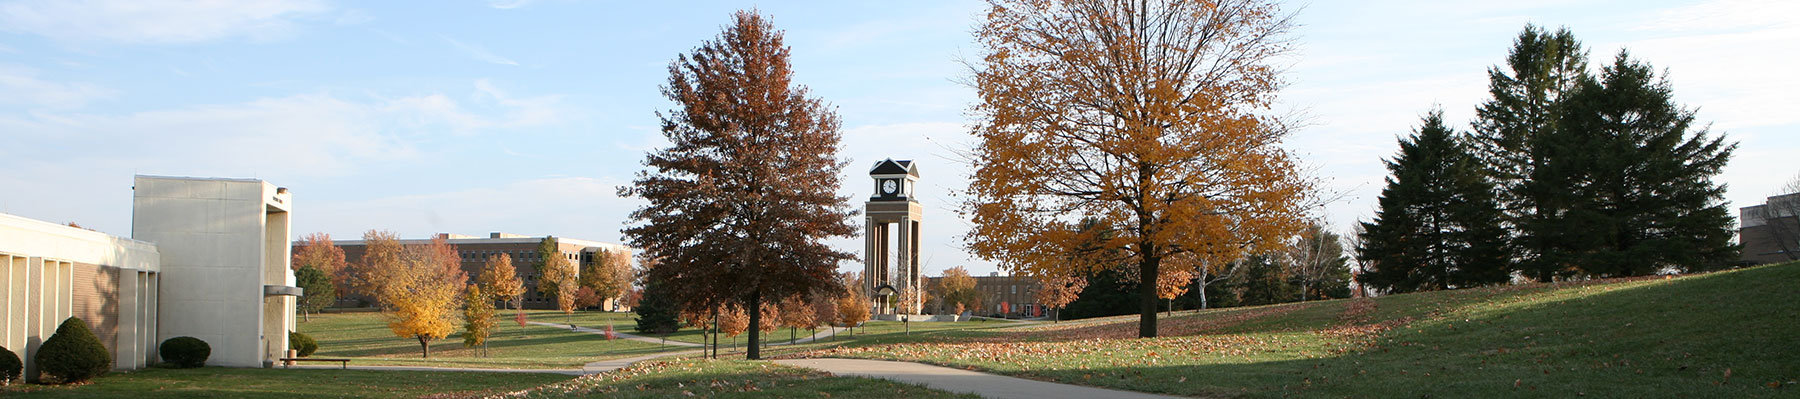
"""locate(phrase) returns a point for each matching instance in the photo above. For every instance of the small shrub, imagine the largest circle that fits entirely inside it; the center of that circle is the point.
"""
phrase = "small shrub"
(303, 343)
(185, 352)
(73, 354)
(11, 368)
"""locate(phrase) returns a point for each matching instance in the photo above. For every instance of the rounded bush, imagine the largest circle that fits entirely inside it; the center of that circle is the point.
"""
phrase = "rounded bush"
(303, 343)
(185, 352)
(11, 368)
(73, 354)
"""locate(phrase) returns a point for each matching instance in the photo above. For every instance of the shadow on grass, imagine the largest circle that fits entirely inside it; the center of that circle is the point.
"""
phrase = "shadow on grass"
(1718, 335)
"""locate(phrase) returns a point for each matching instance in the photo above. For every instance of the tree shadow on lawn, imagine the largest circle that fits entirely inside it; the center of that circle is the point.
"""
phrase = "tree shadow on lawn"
(448, 346)
(1675, 338)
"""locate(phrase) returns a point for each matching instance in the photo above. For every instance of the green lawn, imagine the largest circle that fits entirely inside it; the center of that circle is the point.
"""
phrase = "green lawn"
(366, 338)
(216, 382)
(729, 378)
(1726, 334)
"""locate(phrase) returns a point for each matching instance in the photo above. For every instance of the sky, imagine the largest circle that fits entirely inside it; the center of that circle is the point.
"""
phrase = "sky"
(525, 116)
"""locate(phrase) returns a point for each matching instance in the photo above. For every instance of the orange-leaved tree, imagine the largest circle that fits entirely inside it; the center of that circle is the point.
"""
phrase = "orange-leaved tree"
(741, 203)
(958, 289)
(852, 309)
(422, 294)
(1171, 285)
(1150, 117)
(557, 277)
(318, 251)
(1056, 292)
(381, 256)
(733, 321)
(797, 313)
(609, 275)
(500, 281)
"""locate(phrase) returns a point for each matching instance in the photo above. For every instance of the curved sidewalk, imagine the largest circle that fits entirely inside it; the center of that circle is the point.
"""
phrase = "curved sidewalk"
(960, 381)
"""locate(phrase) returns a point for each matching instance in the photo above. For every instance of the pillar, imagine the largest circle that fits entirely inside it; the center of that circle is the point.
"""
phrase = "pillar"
(37, 314)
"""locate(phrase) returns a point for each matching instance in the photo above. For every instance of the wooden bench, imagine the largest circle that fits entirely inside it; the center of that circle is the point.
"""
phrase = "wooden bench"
(288, 361)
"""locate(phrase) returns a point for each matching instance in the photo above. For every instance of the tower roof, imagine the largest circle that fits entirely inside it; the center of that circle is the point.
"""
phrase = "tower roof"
(892, 167)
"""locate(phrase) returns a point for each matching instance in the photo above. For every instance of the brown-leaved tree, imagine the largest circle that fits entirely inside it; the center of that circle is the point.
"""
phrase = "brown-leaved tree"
(741, 202)
(1150, 117)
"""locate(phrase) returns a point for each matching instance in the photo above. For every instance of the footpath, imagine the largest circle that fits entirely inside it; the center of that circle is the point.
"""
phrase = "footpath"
(962, 381)
(949, 379)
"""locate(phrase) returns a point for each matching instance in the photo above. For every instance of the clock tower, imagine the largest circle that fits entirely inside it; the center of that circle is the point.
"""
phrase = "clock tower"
(890, 271)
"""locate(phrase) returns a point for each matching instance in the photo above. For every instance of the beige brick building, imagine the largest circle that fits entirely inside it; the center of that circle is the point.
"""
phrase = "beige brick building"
(525, 259)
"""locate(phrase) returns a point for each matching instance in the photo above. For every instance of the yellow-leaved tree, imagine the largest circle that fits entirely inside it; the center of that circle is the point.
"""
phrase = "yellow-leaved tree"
(1149, 117)
(500, 280)
(478, 318)
(421, 293)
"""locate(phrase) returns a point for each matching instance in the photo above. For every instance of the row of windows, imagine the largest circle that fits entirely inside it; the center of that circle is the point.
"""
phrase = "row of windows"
(482, 256)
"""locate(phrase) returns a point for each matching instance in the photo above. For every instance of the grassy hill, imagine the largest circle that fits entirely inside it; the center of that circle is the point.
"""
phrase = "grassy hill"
(1727, 334)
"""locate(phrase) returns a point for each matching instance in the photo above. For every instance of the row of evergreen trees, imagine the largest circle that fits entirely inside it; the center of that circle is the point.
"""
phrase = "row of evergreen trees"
(1565, 174)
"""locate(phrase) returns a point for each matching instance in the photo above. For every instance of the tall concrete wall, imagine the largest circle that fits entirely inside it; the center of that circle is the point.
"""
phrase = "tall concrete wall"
(221, 241)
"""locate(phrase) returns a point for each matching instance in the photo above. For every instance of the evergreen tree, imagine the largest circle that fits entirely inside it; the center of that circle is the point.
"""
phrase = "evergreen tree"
(1638, 175)
(1265, 280)
(317, 290)
(1510, 131)
(657, 311)
(1438, 222)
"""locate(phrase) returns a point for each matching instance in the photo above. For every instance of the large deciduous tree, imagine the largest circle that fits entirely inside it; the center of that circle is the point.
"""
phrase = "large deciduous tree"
(318, 251)
(421, 295)
(1150, 117)
(742, 200)
(1437, 226)
(609, 275)
(500, 280)
(1057, 292)
(958, 290)
(557, 277)
(381, 255)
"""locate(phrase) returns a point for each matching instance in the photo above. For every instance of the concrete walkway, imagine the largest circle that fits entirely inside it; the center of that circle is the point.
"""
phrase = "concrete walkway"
(961, 381)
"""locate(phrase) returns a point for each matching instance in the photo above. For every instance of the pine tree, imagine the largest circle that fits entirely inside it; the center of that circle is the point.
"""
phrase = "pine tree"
(1638, 175)
(1510, 131)
(1438, 222)
(657, 312)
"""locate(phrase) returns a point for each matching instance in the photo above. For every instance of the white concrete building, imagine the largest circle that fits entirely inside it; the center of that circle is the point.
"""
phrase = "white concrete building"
(226, 280)
(209, 259)
(50, 272)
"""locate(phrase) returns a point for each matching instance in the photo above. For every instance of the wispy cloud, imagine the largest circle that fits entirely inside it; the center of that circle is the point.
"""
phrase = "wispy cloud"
(480, 53)
(24, 88)
(508, 4)
(135, 21)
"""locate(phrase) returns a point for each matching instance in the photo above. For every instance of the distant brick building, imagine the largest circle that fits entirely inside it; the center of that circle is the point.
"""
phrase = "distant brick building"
(523, 250)
(1770, 232)
(1019, 293)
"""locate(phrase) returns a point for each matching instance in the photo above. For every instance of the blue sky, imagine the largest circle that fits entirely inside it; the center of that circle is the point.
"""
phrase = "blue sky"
(523, 116)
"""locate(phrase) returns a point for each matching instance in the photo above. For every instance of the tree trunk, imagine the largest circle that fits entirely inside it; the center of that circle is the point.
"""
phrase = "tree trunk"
(1203, 284)
(424, 346)
(1147, 269)
(755, 309)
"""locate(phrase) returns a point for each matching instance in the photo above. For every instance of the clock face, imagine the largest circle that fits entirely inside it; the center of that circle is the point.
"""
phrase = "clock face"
(889, 187)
